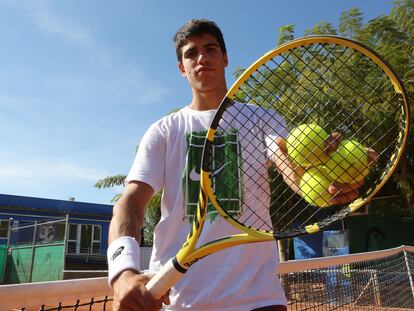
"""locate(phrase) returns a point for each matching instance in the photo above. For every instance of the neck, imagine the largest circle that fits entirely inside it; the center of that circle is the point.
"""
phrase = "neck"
(207, 100)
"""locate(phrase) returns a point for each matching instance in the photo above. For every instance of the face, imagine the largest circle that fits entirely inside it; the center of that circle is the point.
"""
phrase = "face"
(203, 63)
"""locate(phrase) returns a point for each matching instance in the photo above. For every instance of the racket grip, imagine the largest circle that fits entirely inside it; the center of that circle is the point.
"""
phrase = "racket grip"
(164, 279)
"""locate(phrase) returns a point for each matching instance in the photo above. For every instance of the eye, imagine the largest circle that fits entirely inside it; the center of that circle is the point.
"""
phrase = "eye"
(211, 49)
(191, 54)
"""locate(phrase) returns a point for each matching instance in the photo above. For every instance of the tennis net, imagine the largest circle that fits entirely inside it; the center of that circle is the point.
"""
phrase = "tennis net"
(381, 280)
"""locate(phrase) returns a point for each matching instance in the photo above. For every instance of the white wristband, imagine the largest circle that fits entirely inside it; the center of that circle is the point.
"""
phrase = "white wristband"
(122, 254)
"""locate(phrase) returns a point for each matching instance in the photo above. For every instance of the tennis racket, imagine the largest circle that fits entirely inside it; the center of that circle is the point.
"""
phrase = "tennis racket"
(304, 91)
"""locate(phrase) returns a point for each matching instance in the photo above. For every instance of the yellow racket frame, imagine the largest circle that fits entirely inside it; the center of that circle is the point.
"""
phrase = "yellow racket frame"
(189, 254)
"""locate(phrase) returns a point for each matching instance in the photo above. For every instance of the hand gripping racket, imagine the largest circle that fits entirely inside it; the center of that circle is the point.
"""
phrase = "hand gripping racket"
(303, 91)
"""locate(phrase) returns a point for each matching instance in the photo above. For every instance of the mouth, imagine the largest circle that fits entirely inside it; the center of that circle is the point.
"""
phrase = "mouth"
(203, 69)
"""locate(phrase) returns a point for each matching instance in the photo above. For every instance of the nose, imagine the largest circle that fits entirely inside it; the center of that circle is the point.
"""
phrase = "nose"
(203, 58)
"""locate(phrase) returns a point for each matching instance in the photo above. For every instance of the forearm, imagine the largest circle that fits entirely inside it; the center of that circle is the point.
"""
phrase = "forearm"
(126, 221)
(125, 230)
(128, 212)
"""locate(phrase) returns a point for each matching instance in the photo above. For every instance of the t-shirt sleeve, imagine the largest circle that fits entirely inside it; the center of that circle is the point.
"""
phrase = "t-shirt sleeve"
(149, 162)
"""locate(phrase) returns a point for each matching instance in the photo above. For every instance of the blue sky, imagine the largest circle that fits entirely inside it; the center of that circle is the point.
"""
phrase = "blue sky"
(80, 81)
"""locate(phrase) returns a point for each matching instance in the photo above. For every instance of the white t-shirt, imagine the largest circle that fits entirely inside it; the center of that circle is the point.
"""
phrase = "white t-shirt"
(239, 278)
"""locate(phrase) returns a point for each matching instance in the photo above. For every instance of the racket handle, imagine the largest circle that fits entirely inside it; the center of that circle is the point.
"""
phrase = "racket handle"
(164, 279)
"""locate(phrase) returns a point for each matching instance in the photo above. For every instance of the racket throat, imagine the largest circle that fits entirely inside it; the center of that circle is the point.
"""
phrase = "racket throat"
(178, 266)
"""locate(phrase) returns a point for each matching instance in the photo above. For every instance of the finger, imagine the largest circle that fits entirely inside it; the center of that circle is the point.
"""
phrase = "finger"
(150, 303)
(332, 142)
(127, 304)
(338, 188)
(281, 142)
(121, 301)
(372, 156)
(141, 300)
(343, 198)
(117, 306)
(166, 298)
(146, 277)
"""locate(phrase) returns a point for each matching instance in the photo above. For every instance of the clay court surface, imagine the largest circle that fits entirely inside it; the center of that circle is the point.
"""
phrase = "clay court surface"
(100, 306)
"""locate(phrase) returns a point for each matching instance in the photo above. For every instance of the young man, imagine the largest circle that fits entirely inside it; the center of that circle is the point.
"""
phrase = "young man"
(226, 280)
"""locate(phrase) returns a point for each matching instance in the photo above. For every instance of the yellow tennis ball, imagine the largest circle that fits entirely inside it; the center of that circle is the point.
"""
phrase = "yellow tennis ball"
(306, 145)
(348, 163)
(314, 186)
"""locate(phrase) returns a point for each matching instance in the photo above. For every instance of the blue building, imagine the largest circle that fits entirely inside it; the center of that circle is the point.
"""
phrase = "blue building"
(84, 225)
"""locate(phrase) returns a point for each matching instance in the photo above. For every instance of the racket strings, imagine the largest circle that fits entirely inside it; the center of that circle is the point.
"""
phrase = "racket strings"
(334, 86)
(263, 217)
(285, 191)
(366, 84)
(324, 106)
(302, 99)
(374, 91)
(339, 81)
(302, 210)
(344, 83)
(258, 214)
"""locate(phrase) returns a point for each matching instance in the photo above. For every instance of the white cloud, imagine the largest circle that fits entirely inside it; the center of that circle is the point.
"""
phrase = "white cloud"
(111, 78)
(8, 172)
(49, 20)
(27, 181)
(55, 179)
(50, 171)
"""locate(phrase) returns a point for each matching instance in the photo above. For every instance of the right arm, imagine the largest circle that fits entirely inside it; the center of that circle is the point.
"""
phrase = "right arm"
(130, 292)
(128, 212)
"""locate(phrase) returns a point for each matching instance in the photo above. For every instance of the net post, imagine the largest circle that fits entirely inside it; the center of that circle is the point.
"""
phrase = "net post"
(410, 277)
(282, 250)
(65, 247)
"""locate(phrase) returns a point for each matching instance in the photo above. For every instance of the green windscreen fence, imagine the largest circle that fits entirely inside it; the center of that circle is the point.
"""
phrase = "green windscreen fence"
(27, 263)
(35, 253)
(3, 254)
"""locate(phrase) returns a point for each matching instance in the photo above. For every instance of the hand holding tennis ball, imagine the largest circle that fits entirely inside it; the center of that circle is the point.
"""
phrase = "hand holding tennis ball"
(306, 145)
(349, 163)
(314, 186)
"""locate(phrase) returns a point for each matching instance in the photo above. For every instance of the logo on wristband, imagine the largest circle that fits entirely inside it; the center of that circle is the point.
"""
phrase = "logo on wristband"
(117, 252)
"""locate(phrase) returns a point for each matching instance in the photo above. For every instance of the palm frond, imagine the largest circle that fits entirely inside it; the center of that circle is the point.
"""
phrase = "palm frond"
(111, 181)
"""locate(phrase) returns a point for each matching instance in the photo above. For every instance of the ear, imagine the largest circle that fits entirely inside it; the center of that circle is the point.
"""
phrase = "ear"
(226, 60)
(182, 69)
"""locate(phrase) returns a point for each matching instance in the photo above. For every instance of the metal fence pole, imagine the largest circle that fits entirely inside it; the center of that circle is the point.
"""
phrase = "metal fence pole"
(33, 252)
(65, 247)
(9, 229)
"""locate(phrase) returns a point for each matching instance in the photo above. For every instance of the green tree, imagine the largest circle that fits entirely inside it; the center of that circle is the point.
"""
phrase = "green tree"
(286, 33)
(322, 28)
(403, 15)
(152, 212)
(111, 181)
(392, 36)
(350, 23)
